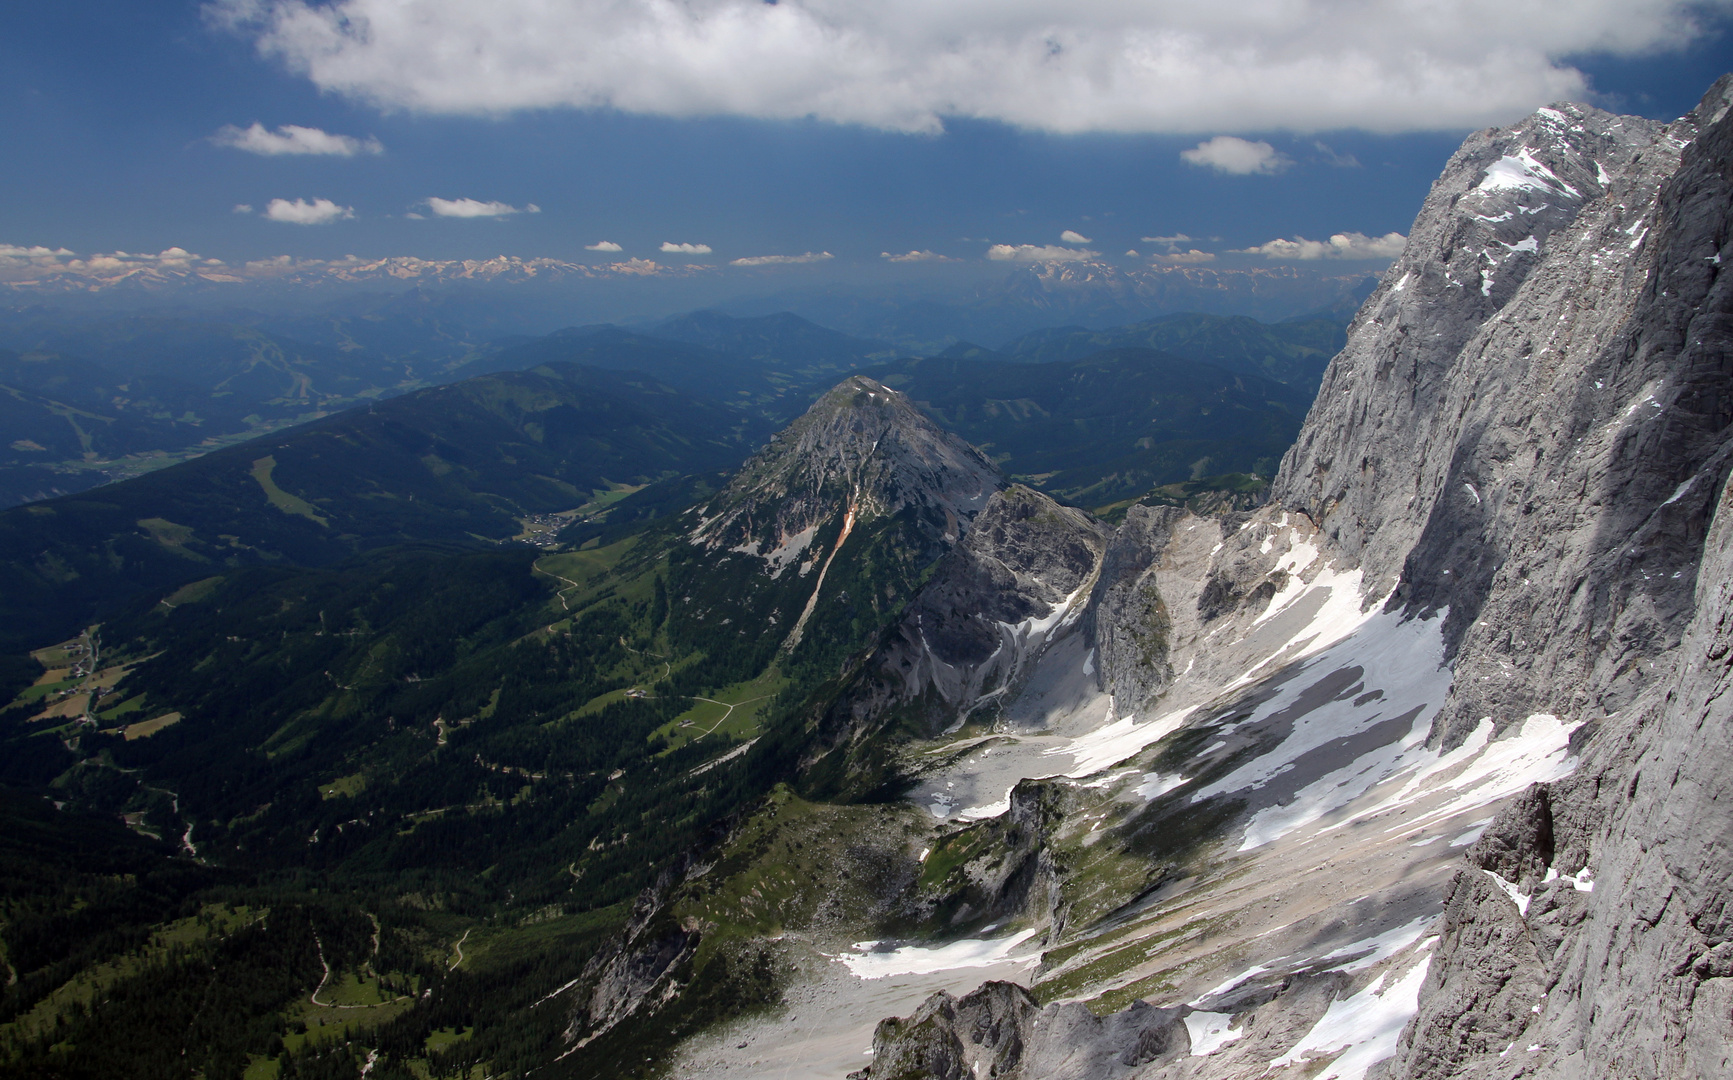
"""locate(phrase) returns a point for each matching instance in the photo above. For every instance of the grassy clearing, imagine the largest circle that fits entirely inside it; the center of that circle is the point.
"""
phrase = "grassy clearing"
(344, 787)
(128, 706)
(444, 1038)
(733, 713)
(581, 577)
(282, 500)
(150, 727)
(192, 593)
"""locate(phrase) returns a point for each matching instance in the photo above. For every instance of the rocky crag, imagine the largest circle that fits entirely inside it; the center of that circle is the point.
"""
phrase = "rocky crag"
(1493, 580)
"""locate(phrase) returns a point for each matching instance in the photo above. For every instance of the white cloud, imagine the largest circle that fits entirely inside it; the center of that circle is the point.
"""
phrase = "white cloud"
(13, 251)
(243, 208)
(475, 208)
(302, 212)
(293, 139)
(1185, 258)
(1039, 253)
(1089, 65)
(685, 249)
(1071, 237)
(781, 260)
(1240, 157)
(916, 256)
(1351, 245)
(1330, 157)
(1176, 238)
(603, 245)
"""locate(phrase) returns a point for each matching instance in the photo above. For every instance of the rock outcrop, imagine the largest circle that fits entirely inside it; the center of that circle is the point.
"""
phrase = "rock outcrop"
(1520, 463)
(1020, 578)
(863, 450)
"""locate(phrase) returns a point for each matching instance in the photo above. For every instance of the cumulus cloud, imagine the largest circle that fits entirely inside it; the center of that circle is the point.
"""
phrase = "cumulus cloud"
(1176, 238)
(293, 139)
(1238, 157)
(685, 249)
(302, 212)
(13, 251)
(1089, 65)
(603, 245)
(475, 208)
(921, 255)
(1185, 258)
(1039, 253)
(242, 208)
(1350, 245)
(1073, 237)
(781, 260)
(44, 263)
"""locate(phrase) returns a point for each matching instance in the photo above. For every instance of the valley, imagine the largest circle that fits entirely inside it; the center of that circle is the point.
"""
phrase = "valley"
(731, 697)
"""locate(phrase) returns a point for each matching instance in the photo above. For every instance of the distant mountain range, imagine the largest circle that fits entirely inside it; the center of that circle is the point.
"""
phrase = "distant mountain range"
(86, 399)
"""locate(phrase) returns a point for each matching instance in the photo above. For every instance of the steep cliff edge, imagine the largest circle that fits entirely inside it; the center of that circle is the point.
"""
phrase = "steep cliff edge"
(1527, 425)
(1493, 573)
(1625, 934)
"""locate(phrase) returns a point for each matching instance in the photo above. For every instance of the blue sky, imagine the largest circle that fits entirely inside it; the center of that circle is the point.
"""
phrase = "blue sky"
(113, 111)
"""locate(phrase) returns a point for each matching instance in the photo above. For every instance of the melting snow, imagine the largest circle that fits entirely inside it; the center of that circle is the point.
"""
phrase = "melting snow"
(1405, 661)
(1512, 891)
(1209, 1032)
(1363, 1028)
(1474, 830)
(985, 810)
(869, 963)
(1155, 785)
(1116, 741)
(1524, 172)
(1382, 947)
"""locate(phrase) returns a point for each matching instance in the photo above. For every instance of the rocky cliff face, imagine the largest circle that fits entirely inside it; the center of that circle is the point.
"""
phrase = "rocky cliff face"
(863, 449)
(1526, 427)
(863, 472)
(1019, 580)
(1495, 572)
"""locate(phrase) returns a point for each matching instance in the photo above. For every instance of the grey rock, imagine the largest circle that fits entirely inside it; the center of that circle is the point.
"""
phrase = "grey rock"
(1000, 1031)
(863, 449)
(992, 607)
(1128, 617)
(1481, 987)
(1539, 458)
(1518, 845)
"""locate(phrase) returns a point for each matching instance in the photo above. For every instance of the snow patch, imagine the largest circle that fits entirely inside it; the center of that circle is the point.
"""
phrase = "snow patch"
(1404, 659)
(872, 962)
(1474, 830)
(1511, 890)
(1116, 741)
(1209, 1032)
(1155, 785)
(1382, 947)
(1362, 1029)
(1524, 172)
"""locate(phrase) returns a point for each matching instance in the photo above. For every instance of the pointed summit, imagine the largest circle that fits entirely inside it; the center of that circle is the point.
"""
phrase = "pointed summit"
(864, 451)
(863, 470)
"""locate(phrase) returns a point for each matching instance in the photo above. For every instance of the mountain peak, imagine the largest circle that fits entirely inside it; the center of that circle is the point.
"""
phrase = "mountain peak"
(863, 450)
